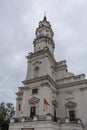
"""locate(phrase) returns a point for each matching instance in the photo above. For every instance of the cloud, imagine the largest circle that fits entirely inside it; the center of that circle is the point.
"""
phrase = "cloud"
(18, 21)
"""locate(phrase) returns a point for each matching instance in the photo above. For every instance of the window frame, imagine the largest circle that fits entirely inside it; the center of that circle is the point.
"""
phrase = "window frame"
(34, 91)
(36, 71)
(71, 118)
(33, 113)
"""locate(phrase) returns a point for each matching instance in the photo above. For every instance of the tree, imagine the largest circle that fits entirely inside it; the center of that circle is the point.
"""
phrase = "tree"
(6, 112)
(1, 119)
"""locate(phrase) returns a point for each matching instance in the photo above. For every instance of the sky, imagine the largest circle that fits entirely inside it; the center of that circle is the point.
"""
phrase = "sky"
(18, 22)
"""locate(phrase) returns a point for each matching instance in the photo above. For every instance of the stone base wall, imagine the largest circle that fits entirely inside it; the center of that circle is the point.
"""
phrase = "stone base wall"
(44, 125)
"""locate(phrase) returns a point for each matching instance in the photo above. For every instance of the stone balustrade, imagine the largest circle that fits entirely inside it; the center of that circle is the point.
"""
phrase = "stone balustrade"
(47, 117)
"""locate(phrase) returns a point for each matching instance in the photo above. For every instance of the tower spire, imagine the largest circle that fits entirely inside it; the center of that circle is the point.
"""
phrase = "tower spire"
(45, 18)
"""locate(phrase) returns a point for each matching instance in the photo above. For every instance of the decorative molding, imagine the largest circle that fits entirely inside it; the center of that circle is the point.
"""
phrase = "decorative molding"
(70, 104)
(72, 77)
(69, 98)
(19, 93)
(24, 88)
(47, 77)
(72, 84)
(34, 100)
(46, 52)
(44, 38)
(61, 62)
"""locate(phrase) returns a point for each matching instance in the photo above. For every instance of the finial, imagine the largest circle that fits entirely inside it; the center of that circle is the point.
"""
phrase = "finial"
(44, 13)
(45, 18)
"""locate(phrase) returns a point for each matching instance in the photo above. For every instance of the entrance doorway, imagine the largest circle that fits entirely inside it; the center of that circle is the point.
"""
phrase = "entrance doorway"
(32, 111)
(55, 115)
(72, 116)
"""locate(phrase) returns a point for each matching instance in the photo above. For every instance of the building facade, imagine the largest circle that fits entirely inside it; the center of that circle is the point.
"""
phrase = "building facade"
(51, 98)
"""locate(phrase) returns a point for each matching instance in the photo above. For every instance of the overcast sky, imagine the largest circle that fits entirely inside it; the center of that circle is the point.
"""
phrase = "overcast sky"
(18, 21)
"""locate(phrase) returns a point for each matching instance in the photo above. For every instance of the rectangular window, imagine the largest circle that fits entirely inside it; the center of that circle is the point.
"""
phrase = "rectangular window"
(35, 91)
(72, 116)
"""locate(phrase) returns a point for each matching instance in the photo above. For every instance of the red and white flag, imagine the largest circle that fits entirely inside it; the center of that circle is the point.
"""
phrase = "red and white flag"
(46, 104)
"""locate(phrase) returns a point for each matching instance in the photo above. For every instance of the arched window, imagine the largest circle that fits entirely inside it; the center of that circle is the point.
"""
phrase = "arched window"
(36, 71)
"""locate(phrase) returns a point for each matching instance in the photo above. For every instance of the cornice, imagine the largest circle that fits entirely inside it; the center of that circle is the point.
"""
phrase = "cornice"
(45, 52)
(19, 93)
(72, 84)
(45, 84)
(61, 65)
(24, 88)
(44, 38)
(73, 76)
(47, 77)
(70, 104)
(44, 27)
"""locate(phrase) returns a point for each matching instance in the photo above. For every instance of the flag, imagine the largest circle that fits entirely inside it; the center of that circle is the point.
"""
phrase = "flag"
(46, 104)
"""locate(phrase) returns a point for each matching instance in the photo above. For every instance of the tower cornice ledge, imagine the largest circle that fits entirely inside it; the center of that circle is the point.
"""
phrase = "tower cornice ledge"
(49, 27)
(45, 51)
(19, 93)
(47, 77)
(44, 38)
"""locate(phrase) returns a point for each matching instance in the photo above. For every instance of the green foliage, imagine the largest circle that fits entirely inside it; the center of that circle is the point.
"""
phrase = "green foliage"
(6, 112)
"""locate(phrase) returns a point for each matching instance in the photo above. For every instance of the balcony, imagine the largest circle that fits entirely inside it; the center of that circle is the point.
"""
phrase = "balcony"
(47, 117)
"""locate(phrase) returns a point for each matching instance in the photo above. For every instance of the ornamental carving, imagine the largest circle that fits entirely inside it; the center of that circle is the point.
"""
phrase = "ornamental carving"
(34, 100)
(70, 104)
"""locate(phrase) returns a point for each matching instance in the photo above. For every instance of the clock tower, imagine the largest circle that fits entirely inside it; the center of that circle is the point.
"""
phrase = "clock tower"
(44, 37)
(40, 78)
(51, 97)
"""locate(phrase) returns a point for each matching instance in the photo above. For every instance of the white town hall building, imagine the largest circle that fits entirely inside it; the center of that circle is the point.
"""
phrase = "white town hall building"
(51, 98)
